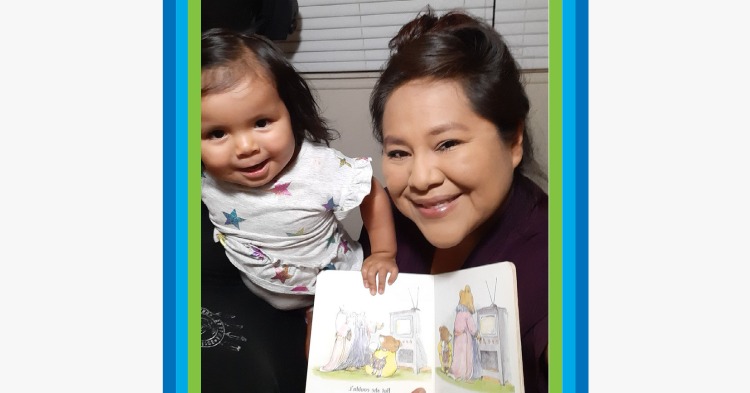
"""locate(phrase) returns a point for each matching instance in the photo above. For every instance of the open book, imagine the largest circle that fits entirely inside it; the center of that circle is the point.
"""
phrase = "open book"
(452, 332)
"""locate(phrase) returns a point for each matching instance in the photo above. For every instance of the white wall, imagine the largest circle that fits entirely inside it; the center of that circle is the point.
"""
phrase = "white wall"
(345, 99)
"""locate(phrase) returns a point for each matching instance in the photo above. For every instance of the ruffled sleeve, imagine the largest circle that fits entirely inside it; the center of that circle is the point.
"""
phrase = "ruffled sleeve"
(331, 176)
(356, 187)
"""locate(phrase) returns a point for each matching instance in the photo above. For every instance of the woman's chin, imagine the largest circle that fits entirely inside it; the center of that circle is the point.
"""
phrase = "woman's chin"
(442, 239)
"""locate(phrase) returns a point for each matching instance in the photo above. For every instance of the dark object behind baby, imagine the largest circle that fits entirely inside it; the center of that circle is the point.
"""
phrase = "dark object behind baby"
(275, 19)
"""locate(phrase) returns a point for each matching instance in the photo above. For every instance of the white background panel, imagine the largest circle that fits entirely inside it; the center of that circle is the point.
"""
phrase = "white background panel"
(81, 240)
(668, 196)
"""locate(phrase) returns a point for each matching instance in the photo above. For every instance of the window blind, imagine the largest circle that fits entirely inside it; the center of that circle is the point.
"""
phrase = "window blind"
(524, 25)
(350, 35)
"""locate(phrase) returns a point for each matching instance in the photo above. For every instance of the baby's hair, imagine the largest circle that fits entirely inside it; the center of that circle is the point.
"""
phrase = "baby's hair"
(228, 57)
(458, 47)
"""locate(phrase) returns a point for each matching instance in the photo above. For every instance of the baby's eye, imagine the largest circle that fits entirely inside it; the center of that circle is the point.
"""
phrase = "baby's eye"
(262, 123)
(396, 154)
(216, 134)
(447, 145)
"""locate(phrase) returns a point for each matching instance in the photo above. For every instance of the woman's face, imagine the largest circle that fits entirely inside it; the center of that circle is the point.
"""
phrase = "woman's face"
(446, 168)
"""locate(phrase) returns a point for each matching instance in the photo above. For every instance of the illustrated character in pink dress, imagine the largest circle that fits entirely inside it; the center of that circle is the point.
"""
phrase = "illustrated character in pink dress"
(343, 343)
(466, 364)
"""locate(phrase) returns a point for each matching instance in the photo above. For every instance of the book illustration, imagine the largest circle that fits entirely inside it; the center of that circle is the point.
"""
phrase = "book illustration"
(445, 349)
(352, 348)
(361, 343)
(384, 362)
(342, 345)
(452, 332)
(406, 325)
(477, 347)
(466, 363)
(493, 341)
(473, 345)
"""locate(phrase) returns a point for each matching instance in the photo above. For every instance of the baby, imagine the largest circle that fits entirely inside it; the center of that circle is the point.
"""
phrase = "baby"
(275, 190)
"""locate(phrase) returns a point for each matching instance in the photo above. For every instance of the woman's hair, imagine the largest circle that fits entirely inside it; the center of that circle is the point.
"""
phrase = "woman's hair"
(227, 57)
(462, 48)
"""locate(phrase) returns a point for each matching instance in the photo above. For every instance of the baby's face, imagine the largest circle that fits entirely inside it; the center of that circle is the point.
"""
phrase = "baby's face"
(246, 133)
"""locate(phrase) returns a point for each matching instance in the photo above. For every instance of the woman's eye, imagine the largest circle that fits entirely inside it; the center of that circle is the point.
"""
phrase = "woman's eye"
(447, 145)
(396, 154)
(216, 134)
(262, 123)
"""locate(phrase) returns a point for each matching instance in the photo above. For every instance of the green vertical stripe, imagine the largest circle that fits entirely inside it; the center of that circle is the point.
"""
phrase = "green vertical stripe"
(194, 196)
(555, 196)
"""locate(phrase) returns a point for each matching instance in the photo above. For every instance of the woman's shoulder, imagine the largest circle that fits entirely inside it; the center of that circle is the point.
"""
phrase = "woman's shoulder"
(531, 195)
(527, 212)
(532, 202)
(520, 232)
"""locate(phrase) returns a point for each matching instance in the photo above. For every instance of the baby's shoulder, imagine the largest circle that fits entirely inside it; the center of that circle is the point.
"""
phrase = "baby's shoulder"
(321, 155)
(318, 150)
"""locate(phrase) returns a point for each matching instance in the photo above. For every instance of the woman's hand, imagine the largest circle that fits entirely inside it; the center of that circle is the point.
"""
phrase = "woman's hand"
(376, 268)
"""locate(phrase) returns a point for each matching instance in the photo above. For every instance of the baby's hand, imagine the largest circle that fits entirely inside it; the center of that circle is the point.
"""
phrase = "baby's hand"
(375, 269)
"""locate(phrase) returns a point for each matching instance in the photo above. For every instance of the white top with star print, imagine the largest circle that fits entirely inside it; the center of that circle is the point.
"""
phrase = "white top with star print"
(281, 235)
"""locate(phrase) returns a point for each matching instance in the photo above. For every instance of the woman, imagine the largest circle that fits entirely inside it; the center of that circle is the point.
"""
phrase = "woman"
(450, 112)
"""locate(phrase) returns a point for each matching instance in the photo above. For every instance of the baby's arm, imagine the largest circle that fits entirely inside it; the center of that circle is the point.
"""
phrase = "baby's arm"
(378, 219)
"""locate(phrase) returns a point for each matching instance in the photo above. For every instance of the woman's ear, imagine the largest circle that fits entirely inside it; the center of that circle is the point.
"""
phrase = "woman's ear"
(516, 150)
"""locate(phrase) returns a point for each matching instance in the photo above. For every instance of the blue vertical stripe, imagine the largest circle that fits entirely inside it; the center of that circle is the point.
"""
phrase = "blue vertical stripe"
(168, 196)
(180, 201)
(568, 197)
(575, 195)
(582, 199)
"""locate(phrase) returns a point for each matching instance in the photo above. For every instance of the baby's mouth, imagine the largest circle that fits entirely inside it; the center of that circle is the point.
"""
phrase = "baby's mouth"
(255, 167)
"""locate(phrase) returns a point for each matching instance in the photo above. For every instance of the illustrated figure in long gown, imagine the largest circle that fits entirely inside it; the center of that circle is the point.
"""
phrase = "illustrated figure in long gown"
(343, 343)
(466, 364)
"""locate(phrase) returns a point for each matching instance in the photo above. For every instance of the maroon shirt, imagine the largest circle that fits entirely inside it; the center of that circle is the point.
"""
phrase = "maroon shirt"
(519, 235)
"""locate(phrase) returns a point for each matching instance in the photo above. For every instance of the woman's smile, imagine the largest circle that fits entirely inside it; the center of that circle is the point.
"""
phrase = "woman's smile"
(437, 207)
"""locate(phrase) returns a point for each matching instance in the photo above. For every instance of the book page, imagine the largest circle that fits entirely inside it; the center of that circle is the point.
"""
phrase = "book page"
(478, 343)
(374, 344)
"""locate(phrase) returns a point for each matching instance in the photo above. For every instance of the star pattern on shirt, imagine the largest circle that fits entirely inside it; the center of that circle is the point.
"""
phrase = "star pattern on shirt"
(221, 238)
(257, 253)
(345, 245)
(330, 205)
(300, 288)
(233, 219)
(282, 274)
(331, 240)
(343, 161)
(298, 233)
(281, 189)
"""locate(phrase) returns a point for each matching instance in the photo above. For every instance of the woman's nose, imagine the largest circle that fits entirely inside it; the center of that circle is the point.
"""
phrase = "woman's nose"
(245, 144)
(425, 173)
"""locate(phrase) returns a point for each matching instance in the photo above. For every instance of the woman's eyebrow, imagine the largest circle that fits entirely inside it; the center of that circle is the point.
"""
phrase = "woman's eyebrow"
(434, 131)
(393, 140)
(445, 127)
